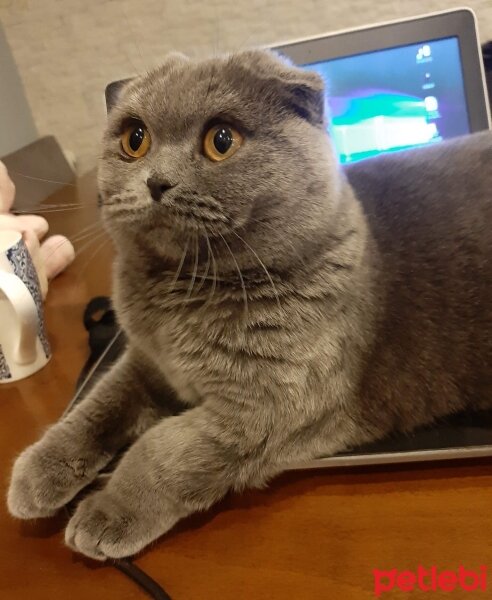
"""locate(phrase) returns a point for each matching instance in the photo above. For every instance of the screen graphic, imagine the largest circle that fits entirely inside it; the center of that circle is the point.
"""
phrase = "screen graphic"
(395, 99)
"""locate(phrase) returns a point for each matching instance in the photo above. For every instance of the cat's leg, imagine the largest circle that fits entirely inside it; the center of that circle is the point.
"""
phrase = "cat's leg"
(71, 453)
(182, 465)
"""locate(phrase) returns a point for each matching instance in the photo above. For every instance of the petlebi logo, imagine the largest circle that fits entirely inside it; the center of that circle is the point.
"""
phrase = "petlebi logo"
(431, 579)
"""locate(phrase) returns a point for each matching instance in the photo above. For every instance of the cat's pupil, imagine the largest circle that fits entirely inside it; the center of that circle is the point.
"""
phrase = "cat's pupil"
(223, 140)
(136, 138)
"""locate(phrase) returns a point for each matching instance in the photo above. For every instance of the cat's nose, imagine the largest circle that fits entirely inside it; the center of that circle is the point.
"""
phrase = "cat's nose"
(158, 186)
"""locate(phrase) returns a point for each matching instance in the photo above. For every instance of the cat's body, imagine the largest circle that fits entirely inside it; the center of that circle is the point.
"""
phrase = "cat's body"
(282, 317)
(430, 212)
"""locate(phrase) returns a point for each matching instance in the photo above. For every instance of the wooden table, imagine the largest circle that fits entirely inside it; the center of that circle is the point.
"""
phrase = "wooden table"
(310, 535)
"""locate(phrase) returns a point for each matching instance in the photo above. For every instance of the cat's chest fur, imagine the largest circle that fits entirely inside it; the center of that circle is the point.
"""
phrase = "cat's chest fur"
(196, 346)
(285, 350)
(157, 331)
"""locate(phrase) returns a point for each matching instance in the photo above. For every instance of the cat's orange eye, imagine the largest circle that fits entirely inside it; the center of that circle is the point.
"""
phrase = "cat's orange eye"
(221, 142)
(135, 140)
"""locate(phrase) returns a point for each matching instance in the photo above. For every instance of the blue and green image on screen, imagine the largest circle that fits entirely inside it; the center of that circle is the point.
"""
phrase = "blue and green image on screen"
(394, 99)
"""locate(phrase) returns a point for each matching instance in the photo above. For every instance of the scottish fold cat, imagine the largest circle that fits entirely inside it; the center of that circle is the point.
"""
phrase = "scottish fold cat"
(277, 308)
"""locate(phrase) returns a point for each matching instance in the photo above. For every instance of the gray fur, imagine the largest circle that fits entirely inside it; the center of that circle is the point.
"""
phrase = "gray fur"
(369, 312)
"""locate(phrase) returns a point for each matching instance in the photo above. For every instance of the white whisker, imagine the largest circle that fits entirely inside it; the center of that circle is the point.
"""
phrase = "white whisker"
(89, 228)
(93, 255)
(180, 266)
(77, 397)
(59, 245)
(207, 268)
(214, 265)
(79, 237)
(39, 210)
(83, 236)
(195, 269)
(245, 295)
(60, 205)
(73, 240)
(43, 180)
(262, 266)
(88, 244)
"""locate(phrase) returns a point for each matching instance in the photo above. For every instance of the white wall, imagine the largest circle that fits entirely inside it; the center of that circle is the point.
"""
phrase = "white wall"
(67, 50)
(16, 123)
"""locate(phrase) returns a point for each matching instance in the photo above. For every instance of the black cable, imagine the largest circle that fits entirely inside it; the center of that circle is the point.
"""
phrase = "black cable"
(151, 587)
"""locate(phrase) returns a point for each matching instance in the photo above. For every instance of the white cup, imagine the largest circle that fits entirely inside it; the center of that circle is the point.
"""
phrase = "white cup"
(24, 347)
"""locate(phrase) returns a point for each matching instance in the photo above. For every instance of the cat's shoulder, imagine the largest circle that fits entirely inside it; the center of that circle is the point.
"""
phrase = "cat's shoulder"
(469, 156)
(436, 186)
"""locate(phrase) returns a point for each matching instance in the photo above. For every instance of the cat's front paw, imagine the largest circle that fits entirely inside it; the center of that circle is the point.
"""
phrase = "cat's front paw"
(105, 526)
(44, 479)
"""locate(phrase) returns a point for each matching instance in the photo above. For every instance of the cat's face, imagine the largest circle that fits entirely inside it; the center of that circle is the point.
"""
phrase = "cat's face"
(227, 144)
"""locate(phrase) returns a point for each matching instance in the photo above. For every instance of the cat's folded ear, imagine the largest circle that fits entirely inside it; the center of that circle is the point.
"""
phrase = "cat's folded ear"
(113, 92)
(301, 91)
(305, 94)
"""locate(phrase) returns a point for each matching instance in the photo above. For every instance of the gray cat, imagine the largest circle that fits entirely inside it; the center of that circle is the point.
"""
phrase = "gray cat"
(275, 313)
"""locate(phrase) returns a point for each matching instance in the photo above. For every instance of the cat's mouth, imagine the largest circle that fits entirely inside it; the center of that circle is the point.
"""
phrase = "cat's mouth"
(194, 210)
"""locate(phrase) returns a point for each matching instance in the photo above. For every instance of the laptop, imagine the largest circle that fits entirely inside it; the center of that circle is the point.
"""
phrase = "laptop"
(399, 85)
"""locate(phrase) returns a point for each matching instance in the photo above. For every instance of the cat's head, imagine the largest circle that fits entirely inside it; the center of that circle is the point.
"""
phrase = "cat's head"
(223, 145)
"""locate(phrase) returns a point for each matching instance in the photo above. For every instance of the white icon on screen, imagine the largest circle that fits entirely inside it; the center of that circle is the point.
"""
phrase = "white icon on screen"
(431, 103)
(424, 52)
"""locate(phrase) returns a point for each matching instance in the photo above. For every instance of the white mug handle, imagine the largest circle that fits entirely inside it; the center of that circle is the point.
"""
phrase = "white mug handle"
(26, 312)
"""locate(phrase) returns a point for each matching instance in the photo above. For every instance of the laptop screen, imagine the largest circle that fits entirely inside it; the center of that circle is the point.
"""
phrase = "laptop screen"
(395, 99)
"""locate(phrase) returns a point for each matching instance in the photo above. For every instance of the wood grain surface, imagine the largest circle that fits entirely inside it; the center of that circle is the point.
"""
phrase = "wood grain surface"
(309, 535)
